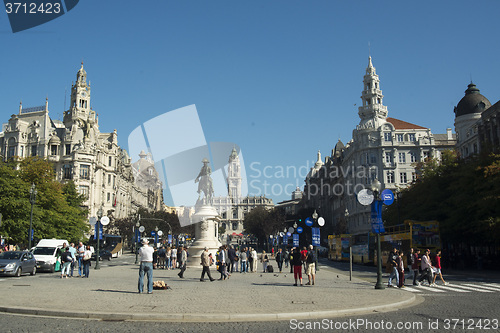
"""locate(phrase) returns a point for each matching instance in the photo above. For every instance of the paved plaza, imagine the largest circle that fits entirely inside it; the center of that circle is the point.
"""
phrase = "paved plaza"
(111, 294)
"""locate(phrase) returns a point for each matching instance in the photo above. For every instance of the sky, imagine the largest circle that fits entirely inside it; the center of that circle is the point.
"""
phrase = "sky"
(280, 79)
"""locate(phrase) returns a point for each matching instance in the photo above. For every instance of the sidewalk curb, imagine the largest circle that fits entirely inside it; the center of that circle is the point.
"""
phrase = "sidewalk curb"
(206, 317)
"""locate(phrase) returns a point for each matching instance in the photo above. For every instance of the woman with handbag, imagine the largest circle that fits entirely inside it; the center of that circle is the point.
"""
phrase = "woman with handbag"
(87, 255)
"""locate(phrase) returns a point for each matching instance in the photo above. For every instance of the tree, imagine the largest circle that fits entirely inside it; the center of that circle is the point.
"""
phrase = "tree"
(262, 222)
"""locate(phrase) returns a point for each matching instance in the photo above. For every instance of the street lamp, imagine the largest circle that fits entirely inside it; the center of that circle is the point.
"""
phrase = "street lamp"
(156, 237)
(376, 187)
(315, 218)
(98, 231)
(137, 225)
(33, 193)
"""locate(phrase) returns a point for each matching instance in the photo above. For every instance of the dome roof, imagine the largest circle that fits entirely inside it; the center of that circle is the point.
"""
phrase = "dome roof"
(472, 102)
(55, 140)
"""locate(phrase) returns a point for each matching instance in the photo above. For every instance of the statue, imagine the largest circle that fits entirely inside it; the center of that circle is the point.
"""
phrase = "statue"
(205, 181)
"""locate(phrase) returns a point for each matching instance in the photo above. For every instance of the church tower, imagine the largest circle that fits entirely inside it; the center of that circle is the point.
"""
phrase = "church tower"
(234, 176)
(372, 112)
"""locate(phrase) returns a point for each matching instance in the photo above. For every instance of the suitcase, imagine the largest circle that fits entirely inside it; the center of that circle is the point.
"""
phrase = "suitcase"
(270, 269)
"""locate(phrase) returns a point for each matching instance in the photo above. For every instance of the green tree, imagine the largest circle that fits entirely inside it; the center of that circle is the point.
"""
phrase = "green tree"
(261, 223)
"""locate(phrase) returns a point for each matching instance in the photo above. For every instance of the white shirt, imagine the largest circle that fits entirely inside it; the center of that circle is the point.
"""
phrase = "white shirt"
(146, 253)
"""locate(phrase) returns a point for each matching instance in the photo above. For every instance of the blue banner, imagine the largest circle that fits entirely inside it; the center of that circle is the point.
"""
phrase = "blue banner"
(285, 239)
(316, 237)
(169, 239)
(296, 240)
(376, 217)
(98, 231)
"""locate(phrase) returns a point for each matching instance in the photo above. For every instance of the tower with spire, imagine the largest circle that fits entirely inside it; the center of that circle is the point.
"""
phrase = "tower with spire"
(234, 175)
(371, 112)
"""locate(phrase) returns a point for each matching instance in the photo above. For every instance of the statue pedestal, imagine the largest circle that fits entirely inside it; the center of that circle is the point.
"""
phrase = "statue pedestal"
(206, 234)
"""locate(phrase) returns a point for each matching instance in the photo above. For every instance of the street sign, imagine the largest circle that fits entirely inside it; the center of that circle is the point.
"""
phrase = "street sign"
(296, 240)
(152, 233)
(387, 196)
(376, 217)
(285, 238)
(160, 233)
(309, 222)
(364, 197)
(104, 220)
(289, 234)
(321, 221)
(92, 220)
(316, 238)
(291, 230)
(141, 228)
(299, 230)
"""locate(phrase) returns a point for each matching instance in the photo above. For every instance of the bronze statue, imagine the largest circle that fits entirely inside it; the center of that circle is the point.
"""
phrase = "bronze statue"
(204, 181)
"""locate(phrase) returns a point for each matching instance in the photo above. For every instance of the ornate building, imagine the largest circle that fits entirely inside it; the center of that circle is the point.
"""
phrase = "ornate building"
(381, 148)
(233, 207)
(476, 123)
(99, 167)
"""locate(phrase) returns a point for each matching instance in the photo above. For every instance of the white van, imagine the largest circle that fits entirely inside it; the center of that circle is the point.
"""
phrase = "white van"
(45, 253)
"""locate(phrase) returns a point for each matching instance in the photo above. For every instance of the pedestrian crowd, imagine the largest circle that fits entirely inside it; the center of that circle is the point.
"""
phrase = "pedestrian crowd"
(419, 267)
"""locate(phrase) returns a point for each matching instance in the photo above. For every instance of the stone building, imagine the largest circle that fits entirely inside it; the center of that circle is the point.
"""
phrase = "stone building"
(80, 152)
(382, 148)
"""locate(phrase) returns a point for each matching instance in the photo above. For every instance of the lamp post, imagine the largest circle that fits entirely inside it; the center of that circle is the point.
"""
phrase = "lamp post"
(33, 193)
(315, 218)
(376, 187)
(137, 225)
(156, 237)
(97, 232)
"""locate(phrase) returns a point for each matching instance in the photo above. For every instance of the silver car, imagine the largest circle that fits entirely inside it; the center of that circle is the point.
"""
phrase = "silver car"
(16, 263)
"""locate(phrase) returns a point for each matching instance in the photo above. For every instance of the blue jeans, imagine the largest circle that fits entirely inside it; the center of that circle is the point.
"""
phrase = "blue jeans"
(243, 266)
(168, 263)
(146, 267)
(394, 273)
(86, 268)
(80, 266)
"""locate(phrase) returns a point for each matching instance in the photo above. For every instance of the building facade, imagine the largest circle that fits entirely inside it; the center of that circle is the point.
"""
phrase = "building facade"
(79, 152)
(382, 148)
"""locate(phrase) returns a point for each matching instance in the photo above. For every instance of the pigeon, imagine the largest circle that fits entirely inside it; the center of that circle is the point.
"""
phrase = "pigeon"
(276, 275)
(337, 276)
(285, 275)
(261, 275)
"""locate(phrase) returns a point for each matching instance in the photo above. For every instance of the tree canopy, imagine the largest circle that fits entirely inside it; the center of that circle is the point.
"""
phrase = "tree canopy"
(261, 222)
(57, 212)
(463, 195)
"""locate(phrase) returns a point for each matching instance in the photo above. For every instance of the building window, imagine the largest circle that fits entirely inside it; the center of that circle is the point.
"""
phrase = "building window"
(235, 214)
(413, 176)
(33, 151)
(84, 190)
(402, 177)
(21, 153)
(235, 225)
(426, 155)
(109, 197)
(400, 137)
(388, 157)
(387, 137)
(109, 179)
(402, 157)
(413, 157)
(12, 151)
(53, 150)
(390, 177)
(411, 137)
(109, 161)
(85, 171)
(373, 158)
(68, 149)
(68, 171)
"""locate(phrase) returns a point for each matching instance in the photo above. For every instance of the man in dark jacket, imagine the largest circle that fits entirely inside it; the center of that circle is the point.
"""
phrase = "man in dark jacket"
(279, 259)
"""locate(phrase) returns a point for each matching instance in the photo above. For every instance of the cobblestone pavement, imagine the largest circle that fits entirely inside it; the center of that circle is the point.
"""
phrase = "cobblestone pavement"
(111, 294)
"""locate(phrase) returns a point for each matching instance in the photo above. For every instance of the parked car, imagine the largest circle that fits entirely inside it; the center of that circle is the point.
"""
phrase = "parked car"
(103, 254)
(16, 263)
(46, 254)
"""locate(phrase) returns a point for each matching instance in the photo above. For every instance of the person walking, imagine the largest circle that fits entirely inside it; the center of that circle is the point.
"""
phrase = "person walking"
(162, 255)
(426, 268)
(146, 266)
(311, 266)
(182, 257)
(416, 266)
(279, 259)
(437, 260)
(206, 261)
(243, 260)
(296, 263)
(391, 261)
(72, 250)
(401, 269)
(254, 260)
(410, 259)
(87, 255)
(286, 257)
(66, 260)
(79, 252)
(250, 260)
(221, 259)
(174, 258)
(264, 259)
(169, 258)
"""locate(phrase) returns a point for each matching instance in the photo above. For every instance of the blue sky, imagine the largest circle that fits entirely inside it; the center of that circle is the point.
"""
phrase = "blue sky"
(281, 79)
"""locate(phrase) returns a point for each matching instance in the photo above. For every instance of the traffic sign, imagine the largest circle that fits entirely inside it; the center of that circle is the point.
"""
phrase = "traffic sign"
(364, 197)
(291, 230)
(92, 220)
(316, 238)
(141, 228)
(104, 220)
(321, 221)
(309, 222)
(387, 197)
(160, 233)
(299, 230)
